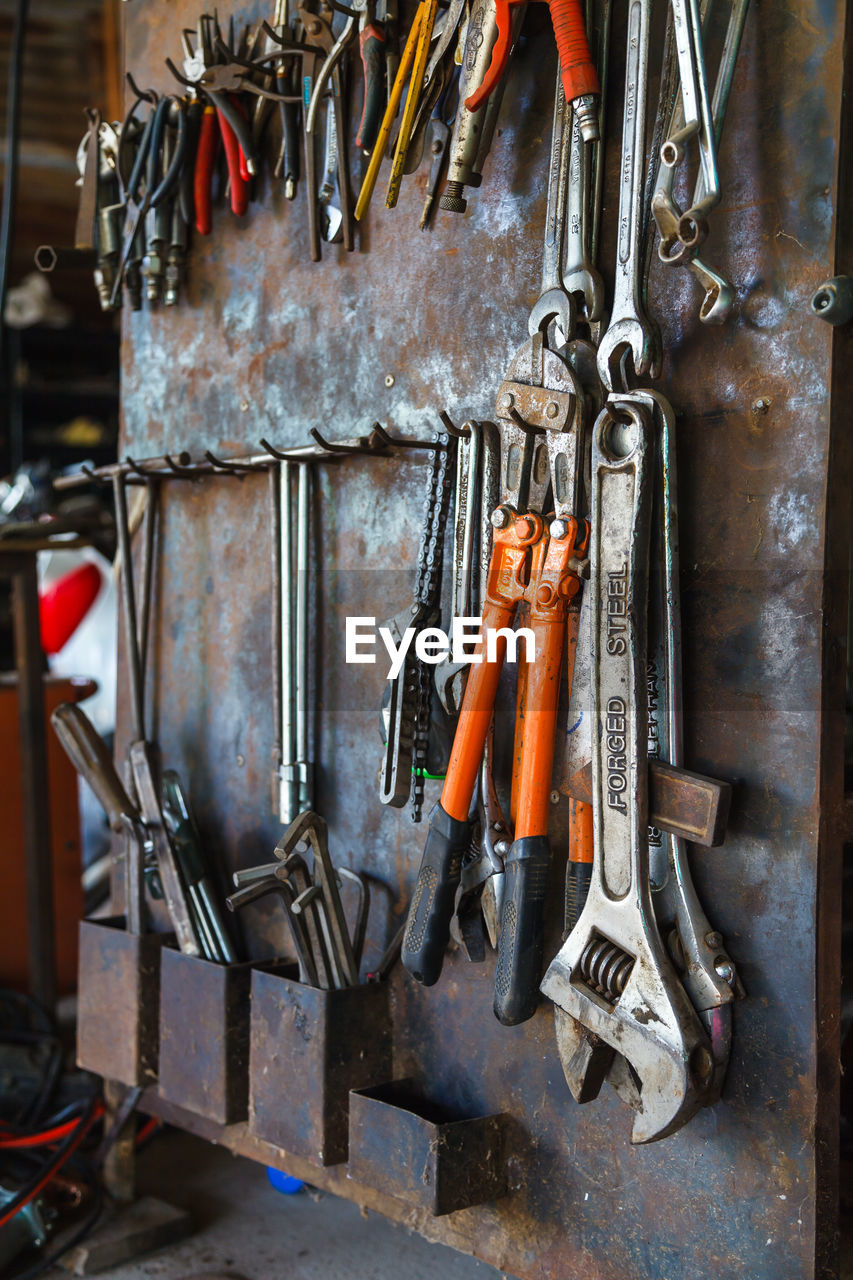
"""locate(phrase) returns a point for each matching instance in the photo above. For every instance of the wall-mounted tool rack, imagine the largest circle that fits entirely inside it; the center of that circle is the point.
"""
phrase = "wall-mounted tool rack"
(269, 343)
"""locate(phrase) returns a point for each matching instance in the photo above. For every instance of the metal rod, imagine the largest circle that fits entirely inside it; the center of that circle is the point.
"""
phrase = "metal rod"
(275, 481)
(147, 574)
(288, 743)
(129, 607)
(301, 690)
(180, 467)
(34, 782)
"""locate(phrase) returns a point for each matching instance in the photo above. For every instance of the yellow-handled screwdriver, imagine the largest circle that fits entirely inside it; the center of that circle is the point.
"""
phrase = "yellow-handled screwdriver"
(379, 146)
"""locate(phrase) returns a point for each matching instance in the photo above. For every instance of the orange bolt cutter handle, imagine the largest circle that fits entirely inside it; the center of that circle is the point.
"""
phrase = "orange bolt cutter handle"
(577, 68)
(428, 926)
(553, 586)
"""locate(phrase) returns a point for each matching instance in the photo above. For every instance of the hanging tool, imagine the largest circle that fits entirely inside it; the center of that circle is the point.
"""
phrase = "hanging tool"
(613, 974)
(318, 29)
(146, 188)
(438, 144)
(394, 98)
(536, 561)
(578, 73)
(294, 774)
(222, 118)
(409, 110)
(473, 130)
(406, 706)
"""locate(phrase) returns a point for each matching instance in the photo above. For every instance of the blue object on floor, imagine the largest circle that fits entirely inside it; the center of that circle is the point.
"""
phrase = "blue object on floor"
(283, 1182)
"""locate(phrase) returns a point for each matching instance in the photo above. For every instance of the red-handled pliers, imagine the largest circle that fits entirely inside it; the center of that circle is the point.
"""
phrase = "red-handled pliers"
(579, 76)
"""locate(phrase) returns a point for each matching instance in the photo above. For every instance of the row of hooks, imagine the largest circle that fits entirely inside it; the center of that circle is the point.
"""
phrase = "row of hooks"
(180, 466)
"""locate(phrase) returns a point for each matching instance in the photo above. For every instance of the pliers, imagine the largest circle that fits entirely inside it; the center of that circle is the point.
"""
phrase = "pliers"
(371, 39)
(233, 129)
(147, 173)
(318, 28)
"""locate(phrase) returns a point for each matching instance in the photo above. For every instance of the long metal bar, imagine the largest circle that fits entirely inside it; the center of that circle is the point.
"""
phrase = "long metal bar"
(129, 608)
(288, 744)
(305, 771)
(275, 634)
(34, 779)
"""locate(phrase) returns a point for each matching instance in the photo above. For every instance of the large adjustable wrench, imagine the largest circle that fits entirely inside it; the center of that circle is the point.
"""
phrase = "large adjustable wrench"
(613, 973)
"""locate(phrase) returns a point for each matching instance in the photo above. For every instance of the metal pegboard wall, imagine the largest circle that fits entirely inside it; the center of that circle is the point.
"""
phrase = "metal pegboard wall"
(267, 343)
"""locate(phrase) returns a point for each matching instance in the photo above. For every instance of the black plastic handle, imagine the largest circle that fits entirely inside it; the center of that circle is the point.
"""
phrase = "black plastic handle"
(428, 925)
(520, 944)
(372, 41)
(578, 877)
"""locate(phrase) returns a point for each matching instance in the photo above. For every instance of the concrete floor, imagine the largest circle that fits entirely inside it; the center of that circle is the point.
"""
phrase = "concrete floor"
(247, 1231)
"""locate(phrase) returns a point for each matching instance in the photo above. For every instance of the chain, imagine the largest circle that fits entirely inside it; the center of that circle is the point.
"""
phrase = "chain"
(428, 600)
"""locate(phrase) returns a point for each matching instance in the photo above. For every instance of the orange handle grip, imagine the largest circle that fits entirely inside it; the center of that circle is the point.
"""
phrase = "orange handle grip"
(576, 66)
(540, 726)
(500, 55)
(577, 69)
(474, 720)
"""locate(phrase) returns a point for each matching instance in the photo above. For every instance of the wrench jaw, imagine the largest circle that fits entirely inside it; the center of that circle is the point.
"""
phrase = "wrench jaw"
(652, 1025)
(636, 337)
(556, 306)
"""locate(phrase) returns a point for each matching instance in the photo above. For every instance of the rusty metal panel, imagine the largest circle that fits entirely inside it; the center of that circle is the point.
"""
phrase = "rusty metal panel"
(267, 344)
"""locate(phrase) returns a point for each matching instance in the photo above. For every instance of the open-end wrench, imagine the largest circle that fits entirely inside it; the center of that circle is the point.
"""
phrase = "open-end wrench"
(696, 120)
(579, 275)
(630, 326)
(613, 974)
(555, 303)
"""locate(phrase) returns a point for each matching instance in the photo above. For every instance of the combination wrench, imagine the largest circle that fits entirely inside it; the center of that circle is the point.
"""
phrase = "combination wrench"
(630, 326)
(555, 303)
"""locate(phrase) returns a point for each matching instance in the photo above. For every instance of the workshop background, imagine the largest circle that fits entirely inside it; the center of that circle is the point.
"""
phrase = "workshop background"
(258, 455)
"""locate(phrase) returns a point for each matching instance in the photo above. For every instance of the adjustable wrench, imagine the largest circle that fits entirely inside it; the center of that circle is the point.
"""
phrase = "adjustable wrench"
(613, 974)
(630, 326)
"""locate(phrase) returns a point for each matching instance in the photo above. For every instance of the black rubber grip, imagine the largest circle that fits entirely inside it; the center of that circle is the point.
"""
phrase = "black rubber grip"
(578, 876)
(520, 944)
(428, 925)
(372, 41)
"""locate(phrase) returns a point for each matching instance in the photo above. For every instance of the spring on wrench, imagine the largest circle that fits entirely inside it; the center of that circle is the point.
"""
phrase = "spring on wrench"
(606, 968)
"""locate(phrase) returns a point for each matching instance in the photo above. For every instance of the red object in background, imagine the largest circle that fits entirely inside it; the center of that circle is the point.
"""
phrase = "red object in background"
(65, 603)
